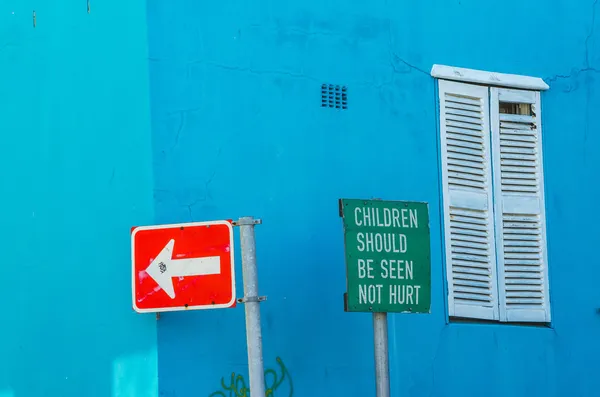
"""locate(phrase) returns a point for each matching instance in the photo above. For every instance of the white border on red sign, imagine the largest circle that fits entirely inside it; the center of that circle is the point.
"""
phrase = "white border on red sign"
(176, 226)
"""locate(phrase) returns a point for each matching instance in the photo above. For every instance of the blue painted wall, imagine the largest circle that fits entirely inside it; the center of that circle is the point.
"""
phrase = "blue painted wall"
(75, 176)
(238, 129)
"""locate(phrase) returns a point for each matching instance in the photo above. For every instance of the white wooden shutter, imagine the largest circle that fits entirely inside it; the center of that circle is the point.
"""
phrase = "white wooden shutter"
(467, 197)
(519, 206)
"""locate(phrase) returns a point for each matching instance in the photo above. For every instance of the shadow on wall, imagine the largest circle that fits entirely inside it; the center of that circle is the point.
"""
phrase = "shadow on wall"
(278, 383)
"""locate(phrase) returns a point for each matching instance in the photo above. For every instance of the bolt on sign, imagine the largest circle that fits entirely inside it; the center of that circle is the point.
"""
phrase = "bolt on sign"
(388, 261)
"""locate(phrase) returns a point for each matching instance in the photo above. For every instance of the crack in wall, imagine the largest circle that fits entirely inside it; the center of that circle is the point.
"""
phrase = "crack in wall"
(260, 72)
(574, 73)
(588, 97)
(179, 129)
(207, 195)
(298, 31)
(393, 59)
(410, 65)
(589, 36)
(586, 67)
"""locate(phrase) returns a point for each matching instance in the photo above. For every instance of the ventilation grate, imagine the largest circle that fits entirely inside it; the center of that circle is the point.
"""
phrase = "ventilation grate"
(334, 96)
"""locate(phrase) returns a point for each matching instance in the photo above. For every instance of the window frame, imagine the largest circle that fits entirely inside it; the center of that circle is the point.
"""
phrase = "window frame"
(494, 83)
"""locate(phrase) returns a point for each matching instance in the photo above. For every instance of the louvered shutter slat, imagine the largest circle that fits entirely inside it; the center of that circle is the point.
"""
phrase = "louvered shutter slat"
(519, 209)
(516, 127)
(466, 117)
(468, 210)
(524, 120)
(464, 132)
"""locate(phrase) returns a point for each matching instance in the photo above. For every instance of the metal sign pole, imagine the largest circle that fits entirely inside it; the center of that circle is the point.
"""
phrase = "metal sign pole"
(252, 302)
(382, 363)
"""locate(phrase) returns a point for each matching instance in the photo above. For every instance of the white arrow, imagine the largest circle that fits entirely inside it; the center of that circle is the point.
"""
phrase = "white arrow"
(164, 267)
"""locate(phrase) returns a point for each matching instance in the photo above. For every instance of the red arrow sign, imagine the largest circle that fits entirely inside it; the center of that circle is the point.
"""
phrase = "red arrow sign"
(183, 267)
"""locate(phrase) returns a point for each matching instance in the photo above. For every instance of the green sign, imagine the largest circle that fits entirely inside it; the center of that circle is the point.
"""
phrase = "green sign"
(388, 263)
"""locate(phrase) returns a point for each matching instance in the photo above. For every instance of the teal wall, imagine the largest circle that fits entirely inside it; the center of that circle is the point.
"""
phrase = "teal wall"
(238, 130)
(228, 123)
(75, 174)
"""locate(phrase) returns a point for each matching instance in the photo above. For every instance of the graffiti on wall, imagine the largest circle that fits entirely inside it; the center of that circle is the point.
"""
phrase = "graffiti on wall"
(278, 383)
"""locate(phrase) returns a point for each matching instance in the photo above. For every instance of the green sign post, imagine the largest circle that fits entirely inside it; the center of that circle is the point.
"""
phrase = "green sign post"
(388, 263)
